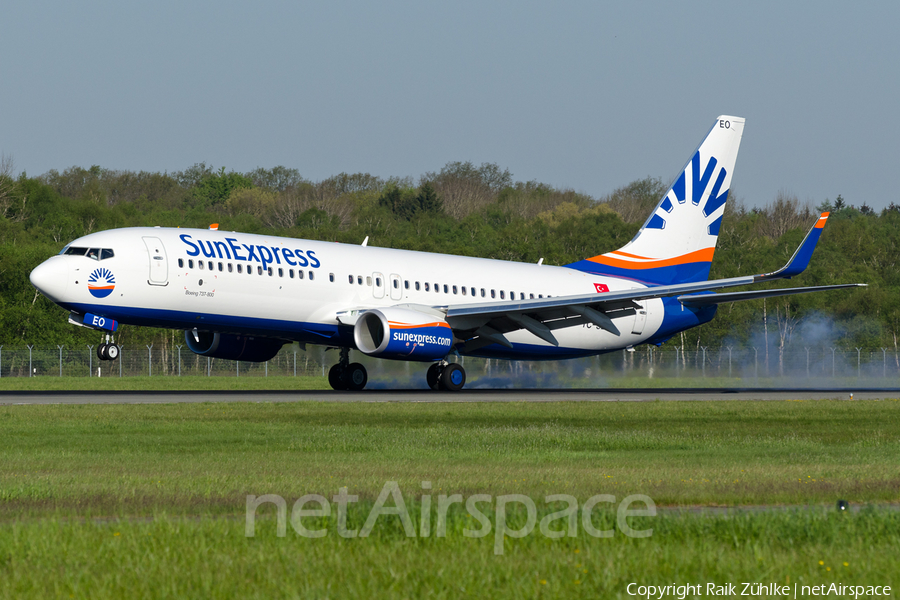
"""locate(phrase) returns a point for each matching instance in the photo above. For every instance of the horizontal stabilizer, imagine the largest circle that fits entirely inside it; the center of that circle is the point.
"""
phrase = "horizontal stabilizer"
(707, 299)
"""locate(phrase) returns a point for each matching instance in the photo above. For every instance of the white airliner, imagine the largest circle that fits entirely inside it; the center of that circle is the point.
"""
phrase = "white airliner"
(240, 296)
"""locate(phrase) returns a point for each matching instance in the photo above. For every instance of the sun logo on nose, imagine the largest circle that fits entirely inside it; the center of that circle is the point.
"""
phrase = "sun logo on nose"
(101, 283)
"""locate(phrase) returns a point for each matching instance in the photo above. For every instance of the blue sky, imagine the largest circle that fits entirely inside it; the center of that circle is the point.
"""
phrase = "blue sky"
(574, 94)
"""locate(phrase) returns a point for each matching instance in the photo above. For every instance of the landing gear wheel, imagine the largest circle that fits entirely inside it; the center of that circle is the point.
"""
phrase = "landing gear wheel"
(354, 377)
(335, 377)
(433, 375)
(112, 352)
(453, 377)
(101, 351)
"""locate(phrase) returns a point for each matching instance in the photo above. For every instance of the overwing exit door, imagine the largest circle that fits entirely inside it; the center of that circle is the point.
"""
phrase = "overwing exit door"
(396, 287)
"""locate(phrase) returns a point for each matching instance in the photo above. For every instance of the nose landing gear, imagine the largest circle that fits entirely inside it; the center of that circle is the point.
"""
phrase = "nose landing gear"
(108, 350)
(446, 376)
(346, 375)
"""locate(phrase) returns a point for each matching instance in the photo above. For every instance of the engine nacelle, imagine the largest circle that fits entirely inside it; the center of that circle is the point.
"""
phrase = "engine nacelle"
(232, 347)
(402, 334)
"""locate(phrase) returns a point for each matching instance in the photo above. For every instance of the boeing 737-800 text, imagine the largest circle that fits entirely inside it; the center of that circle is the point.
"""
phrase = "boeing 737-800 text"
(240, 296)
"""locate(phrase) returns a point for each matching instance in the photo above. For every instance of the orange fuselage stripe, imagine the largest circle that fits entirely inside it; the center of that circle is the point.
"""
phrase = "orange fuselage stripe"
(704, 255)
(408, 326)
(620, 253)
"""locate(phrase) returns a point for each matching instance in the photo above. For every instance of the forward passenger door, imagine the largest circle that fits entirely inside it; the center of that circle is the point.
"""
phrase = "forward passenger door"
(159, 264)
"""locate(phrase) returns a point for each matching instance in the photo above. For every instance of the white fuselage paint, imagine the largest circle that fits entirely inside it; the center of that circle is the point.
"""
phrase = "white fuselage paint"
(186, 298)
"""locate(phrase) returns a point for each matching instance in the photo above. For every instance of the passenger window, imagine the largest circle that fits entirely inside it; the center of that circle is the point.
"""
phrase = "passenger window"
(473, 291)
(445, 289)
(368, 281)
(359, 279)
(180, 263)
(240, 268)
(291, 273)
(396, 283)
(351, 279)
(427, 287)
(190, 264)
(464, 290)
(502, 295)
(417, 286)
(437, 288)
(269, 271)
(200, 264)
(482, 292)
(280, 272)
(331, 277)
(106, 253)
(230, 268)
(311, 276)
(406, 284)
(522, 296)
(221, 267)
(210, 265)
(454, 290)
(259, 270)
(540, 296)
(299, 274)
(378, 282)
(493, 294)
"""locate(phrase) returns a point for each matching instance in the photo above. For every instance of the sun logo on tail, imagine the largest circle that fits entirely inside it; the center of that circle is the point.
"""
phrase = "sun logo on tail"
(693, 185)
(101, 283)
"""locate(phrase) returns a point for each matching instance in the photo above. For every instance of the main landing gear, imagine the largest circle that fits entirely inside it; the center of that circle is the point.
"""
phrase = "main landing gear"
(446, 376)
(108, 350)
(346, 375)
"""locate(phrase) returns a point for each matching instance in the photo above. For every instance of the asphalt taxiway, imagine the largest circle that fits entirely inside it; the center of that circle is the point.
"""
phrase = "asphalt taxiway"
(475, 395)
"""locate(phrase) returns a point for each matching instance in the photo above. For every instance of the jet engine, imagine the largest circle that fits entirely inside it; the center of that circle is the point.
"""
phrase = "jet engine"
(402, 334)
(232, 347)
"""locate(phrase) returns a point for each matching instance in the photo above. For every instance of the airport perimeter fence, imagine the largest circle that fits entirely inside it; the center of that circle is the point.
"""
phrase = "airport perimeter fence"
(802, 366)
(65, 361)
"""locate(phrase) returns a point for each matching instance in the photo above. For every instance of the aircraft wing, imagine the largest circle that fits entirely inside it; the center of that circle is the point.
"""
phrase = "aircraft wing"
(482, 324)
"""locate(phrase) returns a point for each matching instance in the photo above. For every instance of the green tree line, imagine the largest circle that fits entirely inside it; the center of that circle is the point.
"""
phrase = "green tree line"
(467, 209)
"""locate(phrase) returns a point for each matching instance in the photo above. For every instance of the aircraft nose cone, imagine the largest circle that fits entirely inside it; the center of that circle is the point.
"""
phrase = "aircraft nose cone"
(50, 277)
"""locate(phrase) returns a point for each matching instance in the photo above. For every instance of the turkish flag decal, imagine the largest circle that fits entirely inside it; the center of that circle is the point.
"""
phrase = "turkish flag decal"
(601, 287)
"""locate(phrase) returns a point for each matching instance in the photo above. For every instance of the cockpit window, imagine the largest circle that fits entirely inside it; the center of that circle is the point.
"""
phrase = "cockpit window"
(95, 253)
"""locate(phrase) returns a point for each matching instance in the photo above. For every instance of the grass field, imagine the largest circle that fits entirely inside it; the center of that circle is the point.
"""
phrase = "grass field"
(149, 500)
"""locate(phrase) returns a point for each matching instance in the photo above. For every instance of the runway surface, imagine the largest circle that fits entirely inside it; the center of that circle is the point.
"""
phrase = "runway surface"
(576, 395)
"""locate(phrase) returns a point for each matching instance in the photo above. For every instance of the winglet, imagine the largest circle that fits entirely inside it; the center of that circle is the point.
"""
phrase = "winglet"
(800, 260)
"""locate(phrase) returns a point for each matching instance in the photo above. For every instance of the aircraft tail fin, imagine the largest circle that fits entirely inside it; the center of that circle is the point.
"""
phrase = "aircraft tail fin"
(677, 242)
